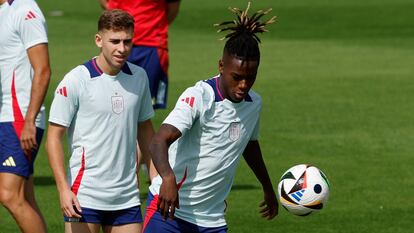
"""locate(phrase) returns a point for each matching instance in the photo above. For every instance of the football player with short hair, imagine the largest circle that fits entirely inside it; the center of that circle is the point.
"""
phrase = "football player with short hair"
(105, 106)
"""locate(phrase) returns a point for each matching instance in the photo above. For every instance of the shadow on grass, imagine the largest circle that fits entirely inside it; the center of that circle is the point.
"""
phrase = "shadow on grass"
(44, 180)
(237, 187)
(143, 195)
(244, 187)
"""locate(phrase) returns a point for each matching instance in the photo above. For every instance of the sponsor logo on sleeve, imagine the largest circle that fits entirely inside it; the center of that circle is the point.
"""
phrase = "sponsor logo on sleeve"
(189, 100)
(30, 15)
(62, 91)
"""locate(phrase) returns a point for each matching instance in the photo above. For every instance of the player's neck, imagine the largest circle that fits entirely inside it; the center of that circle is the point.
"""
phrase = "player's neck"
(221, 90)
(105, 66)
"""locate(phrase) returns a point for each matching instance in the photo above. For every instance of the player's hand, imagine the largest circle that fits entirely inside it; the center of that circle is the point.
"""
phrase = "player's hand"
(270, 206)
(28, 138)
(68, 203)
(168, 197)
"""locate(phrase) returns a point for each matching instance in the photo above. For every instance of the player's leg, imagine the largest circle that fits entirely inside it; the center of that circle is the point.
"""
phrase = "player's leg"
(30, 197)
(222, 229)
(127, 220)
(155, 62)
(127, 228)
(155, 223)
(158, 225)
(15, 167)
(13, 198)
(81, 227)
(161, 88)
(90, 222)
(29, 184)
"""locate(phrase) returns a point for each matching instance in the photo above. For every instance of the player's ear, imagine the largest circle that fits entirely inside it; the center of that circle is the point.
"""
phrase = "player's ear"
(98, 40)
(221, 66)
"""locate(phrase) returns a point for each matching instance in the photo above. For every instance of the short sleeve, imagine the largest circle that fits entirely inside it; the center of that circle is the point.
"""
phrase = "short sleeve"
(255, 134)
(146, 110)
(31, 26)
(66, 100)
(186, 110)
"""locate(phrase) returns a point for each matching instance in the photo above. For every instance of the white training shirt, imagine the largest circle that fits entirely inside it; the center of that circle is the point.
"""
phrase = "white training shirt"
(215, 132)
(102, 113)
(22, 25)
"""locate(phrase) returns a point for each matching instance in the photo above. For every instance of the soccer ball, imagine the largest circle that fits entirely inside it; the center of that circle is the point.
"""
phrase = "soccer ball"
(303, 189)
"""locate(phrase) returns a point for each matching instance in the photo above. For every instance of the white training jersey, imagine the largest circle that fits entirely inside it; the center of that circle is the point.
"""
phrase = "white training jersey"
(102, 113)
(215, 132)
(22, 25)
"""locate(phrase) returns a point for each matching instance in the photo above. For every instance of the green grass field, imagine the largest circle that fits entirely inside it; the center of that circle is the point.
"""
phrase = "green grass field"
(336, 79)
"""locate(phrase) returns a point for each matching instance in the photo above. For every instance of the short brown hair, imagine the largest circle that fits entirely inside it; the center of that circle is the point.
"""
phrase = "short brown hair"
(116, 20)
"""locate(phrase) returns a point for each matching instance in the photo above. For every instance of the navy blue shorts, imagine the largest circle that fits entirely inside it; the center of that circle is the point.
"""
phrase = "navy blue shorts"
(109, 217)
(12, 158)
(155, 63)
(154, 222)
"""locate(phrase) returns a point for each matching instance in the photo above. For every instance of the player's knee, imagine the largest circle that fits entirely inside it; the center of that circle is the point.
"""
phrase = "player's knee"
(9, 199)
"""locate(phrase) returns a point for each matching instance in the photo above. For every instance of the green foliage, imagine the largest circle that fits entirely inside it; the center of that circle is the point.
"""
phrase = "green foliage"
(336, 81)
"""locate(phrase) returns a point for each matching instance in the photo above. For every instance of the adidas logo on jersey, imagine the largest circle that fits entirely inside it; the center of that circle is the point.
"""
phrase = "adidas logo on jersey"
(30, 15)
(189, 101)
(62, 91)
(9, 162)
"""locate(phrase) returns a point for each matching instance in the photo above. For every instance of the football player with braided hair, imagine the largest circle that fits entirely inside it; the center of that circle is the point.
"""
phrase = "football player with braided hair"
(199, 145)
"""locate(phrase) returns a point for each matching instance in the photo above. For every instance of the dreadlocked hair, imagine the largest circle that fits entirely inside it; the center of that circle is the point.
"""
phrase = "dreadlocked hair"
(242, 40)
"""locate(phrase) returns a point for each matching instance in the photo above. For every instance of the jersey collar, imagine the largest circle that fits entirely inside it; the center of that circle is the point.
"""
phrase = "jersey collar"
(95, 71)
(213, 82)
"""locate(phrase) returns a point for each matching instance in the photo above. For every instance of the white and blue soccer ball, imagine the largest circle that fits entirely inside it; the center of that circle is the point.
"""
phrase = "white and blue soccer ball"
(303, 189)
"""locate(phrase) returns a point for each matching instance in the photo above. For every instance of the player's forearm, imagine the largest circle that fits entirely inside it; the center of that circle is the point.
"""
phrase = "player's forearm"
(159, 152)
(253, 156)
(55, 154)
(145, 134)
(166, 135)
(39, 60)
(40, 85)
